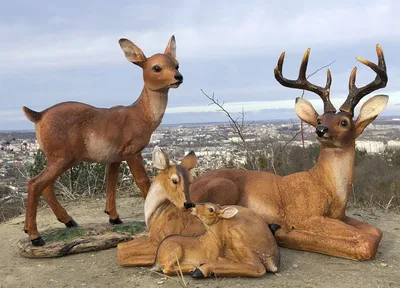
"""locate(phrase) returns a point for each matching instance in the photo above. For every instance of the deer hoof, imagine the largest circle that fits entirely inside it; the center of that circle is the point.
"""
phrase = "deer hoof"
(197, 274)
(71, 223)
(38, 241)
(274, 228)
(115, 221)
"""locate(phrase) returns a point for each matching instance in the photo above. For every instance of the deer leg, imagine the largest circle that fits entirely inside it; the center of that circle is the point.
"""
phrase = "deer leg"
(139, 173)
(226, 267)
(57, 208)
(185, 268)
(138, 252)
(112, 180)
(364, 227)
(331, 237)
(35, 187)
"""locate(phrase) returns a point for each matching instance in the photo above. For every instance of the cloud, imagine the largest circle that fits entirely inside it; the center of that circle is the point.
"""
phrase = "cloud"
(256, 106)
(203, 31)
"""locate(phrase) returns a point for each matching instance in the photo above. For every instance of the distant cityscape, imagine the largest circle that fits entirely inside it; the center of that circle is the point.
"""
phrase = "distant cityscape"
(213, 143)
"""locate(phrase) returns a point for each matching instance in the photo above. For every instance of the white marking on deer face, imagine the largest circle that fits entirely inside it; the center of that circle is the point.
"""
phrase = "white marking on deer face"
(156, 196)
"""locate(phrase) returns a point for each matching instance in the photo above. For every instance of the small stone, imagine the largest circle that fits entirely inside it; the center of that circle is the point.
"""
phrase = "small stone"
(104, 274)
(295, 266)
(278, 274)
(384, 264)
(160, 282)
(92, 255)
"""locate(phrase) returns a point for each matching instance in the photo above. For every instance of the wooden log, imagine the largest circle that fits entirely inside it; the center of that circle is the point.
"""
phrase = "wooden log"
(84, 238)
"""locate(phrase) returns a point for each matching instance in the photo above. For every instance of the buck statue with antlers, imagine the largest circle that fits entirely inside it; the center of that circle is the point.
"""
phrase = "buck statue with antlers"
(309, 207)
(72, 132)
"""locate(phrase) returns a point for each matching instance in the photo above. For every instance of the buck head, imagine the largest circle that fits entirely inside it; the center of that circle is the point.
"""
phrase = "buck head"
(338, 129)
(210, 213)
(174, 179)
(160, 71)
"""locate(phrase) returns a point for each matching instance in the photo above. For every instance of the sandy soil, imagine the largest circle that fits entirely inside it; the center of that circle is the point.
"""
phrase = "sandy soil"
(100, 269)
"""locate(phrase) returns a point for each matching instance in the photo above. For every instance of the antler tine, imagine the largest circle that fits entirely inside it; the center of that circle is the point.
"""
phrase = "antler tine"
(380, 81)
(302, 82)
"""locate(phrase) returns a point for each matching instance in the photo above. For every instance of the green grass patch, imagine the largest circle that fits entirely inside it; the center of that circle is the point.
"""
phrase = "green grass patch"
(64, 235)
(129, 227)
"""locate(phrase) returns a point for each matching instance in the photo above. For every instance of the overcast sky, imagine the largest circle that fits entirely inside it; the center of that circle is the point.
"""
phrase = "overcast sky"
(54, 51)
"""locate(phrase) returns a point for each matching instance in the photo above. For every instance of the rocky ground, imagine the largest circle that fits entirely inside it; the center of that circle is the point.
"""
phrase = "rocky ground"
(100, 269)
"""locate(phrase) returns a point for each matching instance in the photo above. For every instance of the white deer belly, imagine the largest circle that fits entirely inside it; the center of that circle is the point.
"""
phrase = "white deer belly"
(102, 150)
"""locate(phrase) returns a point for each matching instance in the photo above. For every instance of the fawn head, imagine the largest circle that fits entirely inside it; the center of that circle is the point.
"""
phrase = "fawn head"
(338, 130)
(210, 213)
(160, 71)
(175, 179)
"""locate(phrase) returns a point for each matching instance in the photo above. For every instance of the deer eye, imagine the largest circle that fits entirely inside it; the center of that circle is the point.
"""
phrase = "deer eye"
(343, 123)
(211, 209)
(157, 68)
(175, 181)
(319, 122)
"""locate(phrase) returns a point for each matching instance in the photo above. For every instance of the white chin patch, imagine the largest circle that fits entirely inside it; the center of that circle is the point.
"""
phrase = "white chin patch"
(154, 198)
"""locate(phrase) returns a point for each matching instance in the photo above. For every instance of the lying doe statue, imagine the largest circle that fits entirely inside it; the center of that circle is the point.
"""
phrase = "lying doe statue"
(168, 191)
(310, 206)
(165, 210)
(72, 132)
(237, 243)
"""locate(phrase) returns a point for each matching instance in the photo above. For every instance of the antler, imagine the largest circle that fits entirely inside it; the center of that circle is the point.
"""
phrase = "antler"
(302, 82)
(356, 94)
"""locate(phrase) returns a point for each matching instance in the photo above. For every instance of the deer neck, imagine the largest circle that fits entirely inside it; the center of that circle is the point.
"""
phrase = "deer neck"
(152, 104)
(335, 168)
(212, 237)
(156, 196)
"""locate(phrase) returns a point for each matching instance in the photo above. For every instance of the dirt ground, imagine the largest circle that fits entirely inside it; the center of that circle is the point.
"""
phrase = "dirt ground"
(100, 269)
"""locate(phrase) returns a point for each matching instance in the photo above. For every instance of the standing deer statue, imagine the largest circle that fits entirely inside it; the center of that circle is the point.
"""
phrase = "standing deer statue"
(72, 132)
(309, 207)
(237, 243)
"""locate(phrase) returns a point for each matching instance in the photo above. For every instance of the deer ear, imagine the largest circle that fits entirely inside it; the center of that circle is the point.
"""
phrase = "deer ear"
(189, 161)
(306, 112)
(132, 52)
(160, 159)
(369, 111)
(228, 212)
(171, 47)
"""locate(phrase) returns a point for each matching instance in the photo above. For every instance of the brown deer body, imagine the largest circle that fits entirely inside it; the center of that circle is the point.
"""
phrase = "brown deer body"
(237, 243)
(162, 215)
(72, 132)
(310, 206)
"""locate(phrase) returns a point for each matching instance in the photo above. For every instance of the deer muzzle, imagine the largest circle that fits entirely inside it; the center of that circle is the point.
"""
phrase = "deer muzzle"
(321, 130)
(189, 205)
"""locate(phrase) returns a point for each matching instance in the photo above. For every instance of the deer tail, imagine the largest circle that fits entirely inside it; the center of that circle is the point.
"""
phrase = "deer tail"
(32, 115)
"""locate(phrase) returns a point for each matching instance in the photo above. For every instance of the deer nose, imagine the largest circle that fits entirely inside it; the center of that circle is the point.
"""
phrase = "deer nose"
(178, 76)
(321, 130)
(189, 205)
